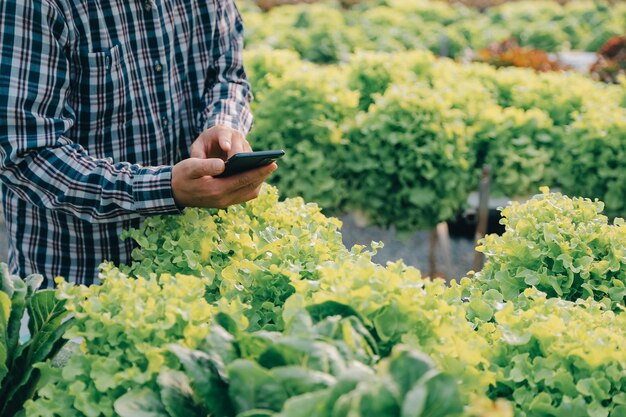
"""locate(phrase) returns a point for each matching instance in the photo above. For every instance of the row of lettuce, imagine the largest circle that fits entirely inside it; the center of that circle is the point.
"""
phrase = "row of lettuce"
(403, 137)
(324, 33)
(260, 310)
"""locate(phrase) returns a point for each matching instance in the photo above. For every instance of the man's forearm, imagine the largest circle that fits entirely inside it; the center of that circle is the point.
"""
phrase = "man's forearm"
(65, 178)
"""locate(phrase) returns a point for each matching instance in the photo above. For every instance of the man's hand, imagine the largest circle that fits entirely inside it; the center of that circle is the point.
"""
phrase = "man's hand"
(193, 184)
(219, 142)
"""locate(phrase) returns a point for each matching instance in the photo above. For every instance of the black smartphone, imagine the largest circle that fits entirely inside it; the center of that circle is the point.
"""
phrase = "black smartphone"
(245, 161)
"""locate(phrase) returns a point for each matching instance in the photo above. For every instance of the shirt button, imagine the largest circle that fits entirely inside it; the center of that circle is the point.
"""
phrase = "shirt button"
(147, 6)
(164, 121)
(158, 67)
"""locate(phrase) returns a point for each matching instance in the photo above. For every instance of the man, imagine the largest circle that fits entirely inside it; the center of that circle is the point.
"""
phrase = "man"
(110, 111)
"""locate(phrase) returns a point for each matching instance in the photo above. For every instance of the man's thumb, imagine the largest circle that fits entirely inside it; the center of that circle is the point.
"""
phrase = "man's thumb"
(203, 167)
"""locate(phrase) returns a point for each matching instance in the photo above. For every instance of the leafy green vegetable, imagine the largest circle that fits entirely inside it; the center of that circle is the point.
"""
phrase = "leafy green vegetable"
(140, 403)
(521, 147)
(314, 103)
(371, 74)
(594, 149)
(297, 390)
(126, 326)
(47, 323)
(414, 160)
(206, 373)
(253, 387)
(558, 357)
(399, 306)
(177, 394)
(253, 256)
(562, 246)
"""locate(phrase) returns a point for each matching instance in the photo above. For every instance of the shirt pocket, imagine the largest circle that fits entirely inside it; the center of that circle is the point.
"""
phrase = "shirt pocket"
(102, 97)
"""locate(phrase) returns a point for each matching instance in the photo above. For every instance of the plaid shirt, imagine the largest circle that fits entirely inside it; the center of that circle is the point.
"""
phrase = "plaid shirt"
(99, 98)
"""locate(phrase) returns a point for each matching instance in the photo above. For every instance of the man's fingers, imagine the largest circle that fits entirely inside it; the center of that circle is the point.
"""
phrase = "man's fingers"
(248, 178)
(238, 143)
(246, 146)
(219, 142)
(247, 193)
(193, 184)
(198, 150)
(225, 137)
(236, 148)
(199, 168)
(256, 176)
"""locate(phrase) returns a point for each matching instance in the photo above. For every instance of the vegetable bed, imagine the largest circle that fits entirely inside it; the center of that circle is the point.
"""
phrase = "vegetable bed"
(402, 137)
(325, 33)
(259, 310)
